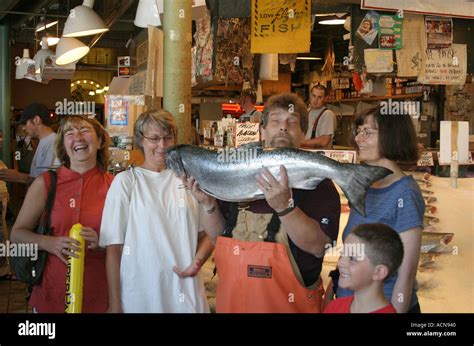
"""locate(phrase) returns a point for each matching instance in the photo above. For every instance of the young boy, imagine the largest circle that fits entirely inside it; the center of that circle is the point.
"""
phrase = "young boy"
(372, 252)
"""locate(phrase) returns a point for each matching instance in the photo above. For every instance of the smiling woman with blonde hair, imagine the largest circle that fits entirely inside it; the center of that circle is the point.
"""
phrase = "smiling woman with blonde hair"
(82, 185)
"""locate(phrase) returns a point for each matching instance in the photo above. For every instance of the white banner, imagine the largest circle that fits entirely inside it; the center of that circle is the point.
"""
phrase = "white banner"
(451, 8)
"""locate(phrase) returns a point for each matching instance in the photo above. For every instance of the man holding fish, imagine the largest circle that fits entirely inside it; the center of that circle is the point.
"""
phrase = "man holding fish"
(269, 251)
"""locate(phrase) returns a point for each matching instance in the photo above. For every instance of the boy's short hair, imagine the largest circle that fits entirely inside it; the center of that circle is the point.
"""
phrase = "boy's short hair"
(382, 245)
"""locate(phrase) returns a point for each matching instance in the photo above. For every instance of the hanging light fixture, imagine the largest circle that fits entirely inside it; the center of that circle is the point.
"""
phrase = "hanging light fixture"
(69, 50)
(333, 19)
(52, 40)
(148, 13)
(45, 24)
(83, 21)
(42, 55)
(25, 67)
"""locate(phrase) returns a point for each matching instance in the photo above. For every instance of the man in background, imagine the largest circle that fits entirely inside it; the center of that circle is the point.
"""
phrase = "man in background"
(321, 121)
(36, 121)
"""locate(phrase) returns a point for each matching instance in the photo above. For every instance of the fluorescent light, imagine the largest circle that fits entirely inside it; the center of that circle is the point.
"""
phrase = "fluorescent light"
(332, 22)
(70, 50)
(308, 58)
(99, 91)
(43, 25)
(83, 21)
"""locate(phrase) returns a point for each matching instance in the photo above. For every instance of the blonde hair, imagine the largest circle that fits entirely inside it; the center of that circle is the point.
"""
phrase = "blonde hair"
(69, 122)
(160, 118)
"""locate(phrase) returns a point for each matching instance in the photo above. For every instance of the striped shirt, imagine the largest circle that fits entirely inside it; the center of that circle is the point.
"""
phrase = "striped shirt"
(400, 206)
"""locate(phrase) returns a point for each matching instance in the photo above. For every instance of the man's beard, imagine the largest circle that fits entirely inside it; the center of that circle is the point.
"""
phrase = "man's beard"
(277, 142)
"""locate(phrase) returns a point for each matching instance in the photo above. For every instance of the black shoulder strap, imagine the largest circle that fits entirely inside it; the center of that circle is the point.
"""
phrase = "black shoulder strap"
(50, 200)
(315, 126)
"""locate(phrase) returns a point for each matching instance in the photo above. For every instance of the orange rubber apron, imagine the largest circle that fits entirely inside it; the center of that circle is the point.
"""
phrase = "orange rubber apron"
(257, 276)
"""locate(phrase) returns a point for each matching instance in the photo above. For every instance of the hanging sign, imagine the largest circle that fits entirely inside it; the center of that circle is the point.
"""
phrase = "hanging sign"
(453, 8)
(281, 26)
(444, 66)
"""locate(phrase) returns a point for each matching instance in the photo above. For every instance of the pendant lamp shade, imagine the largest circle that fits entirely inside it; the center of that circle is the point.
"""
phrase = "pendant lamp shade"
(69, 50)
(148, 13)
(52, 40)
(83, 21)
(42, 55)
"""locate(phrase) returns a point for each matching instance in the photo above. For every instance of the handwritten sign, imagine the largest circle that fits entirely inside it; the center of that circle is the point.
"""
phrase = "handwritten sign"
(444, 66)
(280, 26)
(246, 133)
(426, 159)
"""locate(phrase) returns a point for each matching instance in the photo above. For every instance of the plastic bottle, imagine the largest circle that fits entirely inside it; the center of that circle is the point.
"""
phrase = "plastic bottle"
(75, 274)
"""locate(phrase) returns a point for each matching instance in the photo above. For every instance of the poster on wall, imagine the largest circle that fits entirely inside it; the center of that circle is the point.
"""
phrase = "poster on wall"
(118, 111)
(439, 32)
(368, 28)
(444, 66)
(409, 57)
(280, 27)
(378, 60)
(390, 32)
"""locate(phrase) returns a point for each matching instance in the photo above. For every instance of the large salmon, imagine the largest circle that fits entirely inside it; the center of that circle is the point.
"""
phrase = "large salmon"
(230, 175)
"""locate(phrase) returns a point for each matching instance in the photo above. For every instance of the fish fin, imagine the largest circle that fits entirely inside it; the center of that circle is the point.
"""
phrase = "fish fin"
(309, 184)
(356, 179)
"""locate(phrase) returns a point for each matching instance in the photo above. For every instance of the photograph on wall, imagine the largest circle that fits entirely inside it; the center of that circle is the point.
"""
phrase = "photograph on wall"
(368, 28)
(439, 32)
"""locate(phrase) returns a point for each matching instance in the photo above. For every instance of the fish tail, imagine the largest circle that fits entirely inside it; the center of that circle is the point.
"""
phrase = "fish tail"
(356, 181)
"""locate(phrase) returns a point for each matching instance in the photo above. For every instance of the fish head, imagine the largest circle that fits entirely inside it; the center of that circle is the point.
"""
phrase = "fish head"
(174, 160)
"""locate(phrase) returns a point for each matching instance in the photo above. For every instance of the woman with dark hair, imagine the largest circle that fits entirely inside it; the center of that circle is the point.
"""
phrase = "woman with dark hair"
(387, 140)
(82, 146)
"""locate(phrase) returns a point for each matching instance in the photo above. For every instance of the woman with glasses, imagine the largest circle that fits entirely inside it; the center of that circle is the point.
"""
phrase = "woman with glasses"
(151, 229)
(82, 146)
(387, 140)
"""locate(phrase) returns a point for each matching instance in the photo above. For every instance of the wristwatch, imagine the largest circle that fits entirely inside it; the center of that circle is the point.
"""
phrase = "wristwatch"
(291, 206)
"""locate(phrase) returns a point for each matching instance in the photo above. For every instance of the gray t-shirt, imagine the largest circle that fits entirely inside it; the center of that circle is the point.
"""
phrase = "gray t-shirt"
(326, 125)
(44, 156)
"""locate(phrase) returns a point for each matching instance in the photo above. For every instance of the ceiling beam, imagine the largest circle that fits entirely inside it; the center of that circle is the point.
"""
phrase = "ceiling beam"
(117, 12)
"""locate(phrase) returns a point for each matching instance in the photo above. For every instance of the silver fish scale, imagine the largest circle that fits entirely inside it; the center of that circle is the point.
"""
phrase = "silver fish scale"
(235, 180)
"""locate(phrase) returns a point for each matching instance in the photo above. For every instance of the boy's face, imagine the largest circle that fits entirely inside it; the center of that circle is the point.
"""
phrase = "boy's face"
(356, 270)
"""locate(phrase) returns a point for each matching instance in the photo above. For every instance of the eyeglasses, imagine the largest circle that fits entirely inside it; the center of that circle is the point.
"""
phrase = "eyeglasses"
(157, 139)
(364, 133)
